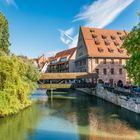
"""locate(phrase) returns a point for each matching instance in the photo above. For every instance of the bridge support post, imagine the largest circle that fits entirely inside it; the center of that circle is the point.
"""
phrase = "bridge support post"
(51, 95)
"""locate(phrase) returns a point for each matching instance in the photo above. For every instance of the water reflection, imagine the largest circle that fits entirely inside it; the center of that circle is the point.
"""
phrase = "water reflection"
(17, 127)
(78, 118)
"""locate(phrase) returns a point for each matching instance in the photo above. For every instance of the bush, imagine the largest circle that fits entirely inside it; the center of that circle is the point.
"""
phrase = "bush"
(18, 79)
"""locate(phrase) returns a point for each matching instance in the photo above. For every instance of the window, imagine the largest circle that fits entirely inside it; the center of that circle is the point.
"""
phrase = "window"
(104, 71)
(122, 37)
(110, 50)
(84, 62)
(104, 36)
(120, 50)
(107, 42)
(112, 71)
(119, 33)
(97, 71)
(63, 59)
(94, 35)
(104, 61)
(97, 61)
(116, 43)
(97, 42)
(91, 30)
(113, 37)
(120, 61)
(100, 49)
(54, 61)
(120, 71)
(112, 61)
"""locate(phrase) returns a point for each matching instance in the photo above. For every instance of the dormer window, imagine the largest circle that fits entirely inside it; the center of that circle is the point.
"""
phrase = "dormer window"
(116, 43)
(120, 50)
(91, 30)
(119, 33)
(94, 35)
(97, 42)
(122, 37)
(113, 37)
(110, 50)
(100, 49)
(63, 59)
(104, 36)
(107, 42)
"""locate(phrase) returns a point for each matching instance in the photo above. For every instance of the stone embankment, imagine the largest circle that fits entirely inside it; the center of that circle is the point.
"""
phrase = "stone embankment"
(129, 101)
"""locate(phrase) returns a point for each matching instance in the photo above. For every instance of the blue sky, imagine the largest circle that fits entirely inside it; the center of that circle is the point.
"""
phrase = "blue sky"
(46, 26)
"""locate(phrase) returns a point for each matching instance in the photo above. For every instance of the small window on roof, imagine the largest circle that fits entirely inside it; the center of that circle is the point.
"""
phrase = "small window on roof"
(119, 33)
(113, 37)
(91, 30)
(97, 42)
(122, 37)
(110, 50)
(120, 50)
(107, 42)
(94, 35)
(116, 43)
(104, 36)
(100, 49)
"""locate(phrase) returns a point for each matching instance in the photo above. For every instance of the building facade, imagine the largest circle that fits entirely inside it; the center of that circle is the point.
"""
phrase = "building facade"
(40, 62)
(100, 50)
(63, 61)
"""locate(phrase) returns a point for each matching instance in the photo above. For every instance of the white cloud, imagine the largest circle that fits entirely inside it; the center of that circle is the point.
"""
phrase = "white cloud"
(102, 12)
(98, 14)
(11, 2)
(51, 53)
(67, 37)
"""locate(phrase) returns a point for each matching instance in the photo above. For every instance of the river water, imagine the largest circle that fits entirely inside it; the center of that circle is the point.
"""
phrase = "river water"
(73, 116)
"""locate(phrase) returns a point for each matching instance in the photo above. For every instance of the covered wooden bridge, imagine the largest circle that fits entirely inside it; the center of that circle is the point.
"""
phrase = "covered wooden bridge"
(54, 81)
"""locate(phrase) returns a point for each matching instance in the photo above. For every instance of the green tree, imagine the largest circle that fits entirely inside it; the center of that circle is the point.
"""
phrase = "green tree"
(4, 34)
(18, 80)
(18, 76)
(132, 44)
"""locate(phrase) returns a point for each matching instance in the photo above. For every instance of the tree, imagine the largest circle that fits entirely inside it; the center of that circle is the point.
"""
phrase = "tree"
(4, 34)
(18, 76)
(132, 44)
(18, 80)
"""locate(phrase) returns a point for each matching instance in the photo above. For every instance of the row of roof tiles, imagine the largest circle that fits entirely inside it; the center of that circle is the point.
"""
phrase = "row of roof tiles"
(63, 54)
(104, 42)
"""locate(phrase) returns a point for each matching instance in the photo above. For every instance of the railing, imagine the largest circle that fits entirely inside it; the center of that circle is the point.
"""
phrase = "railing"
(121, 91)
(66, 86)
(55, 86)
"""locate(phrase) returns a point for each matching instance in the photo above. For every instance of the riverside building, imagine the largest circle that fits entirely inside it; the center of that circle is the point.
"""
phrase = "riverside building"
(100, 50)
(63, 61)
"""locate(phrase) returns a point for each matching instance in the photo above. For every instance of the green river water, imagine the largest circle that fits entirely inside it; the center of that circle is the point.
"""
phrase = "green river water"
(77, 116)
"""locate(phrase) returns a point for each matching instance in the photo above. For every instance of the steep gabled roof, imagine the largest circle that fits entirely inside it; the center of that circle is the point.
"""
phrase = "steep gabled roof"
(104, 42)
(66, 53)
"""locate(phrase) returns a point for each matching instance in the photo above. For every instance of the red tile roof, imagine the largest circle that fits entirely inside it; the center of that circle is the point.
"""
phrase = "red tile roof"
(104, 42)
(66, 53)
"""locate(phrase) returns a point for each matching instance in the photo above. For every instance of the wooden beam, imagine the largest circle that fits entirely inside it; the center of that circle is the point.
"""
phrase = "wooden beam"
(58, 76)
(54, 86)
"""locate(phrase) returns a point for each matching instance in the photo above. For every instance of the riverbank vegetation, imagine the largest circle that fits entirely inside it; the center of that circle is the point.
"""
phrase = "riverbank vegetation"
(132, 44)
(18, 76)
